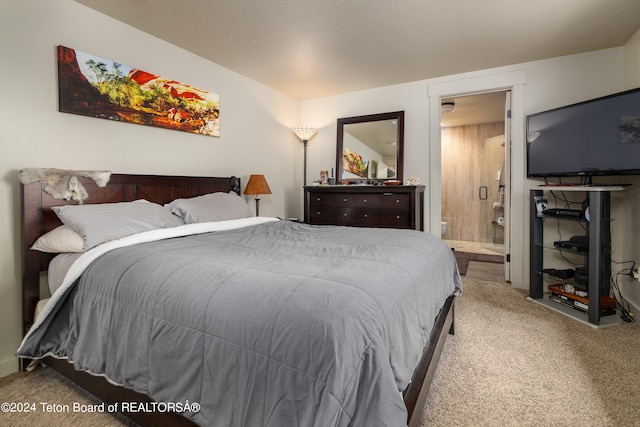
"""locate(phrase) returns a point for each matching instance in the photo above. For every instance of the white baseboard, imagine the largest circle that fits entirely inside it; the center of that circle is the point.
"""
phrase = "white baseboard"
(9, 366)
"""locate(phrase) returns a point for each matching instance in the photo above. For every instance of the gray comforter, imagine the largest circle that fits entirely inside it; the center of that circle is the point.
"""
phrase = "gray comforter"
(277, 324)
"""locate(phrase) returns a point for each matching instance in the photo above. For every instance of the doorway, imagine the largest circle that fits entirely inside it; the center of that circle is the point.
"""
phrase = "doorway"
(474, 164)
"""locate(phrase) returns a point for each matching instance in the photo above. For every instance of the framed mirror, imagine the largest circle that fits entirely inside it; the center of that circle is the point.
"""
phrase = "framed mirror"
(370, 147)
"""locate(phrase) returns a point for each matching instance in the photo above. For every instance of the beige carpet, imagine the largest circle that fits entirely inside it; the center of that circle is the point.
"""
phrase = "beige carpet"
(511, 363)
(43, 386)
(515, 363)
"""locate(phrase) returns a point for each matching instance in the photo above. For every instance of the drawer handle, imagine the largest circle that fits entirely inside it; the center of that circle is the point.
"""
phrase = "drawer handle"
(318, 199)
(346, 200)
(365, 201)
(398, 201)
(398, 217)
(345, 214)
(366, 216)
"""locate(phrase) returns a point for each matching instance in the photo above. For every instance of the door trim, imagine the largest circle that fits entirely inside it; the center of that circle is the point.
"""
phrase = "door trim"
(509, 81)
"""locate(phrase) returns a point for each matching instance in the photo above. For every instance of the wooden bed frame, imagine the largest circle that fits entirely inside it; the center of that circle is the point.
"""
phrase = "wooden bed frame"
(38, 218)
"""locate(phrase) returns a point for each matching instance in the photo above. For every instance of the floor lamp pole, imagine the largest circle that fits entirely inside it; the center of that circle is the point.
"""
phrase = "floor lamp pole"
(304, 180)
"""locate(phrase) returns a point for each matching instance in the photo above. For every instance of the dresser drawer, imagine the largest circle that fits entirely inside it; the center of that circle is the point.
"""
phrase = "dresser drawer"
(331, 200)
(390, 218)
(332, 215)
(383, 200)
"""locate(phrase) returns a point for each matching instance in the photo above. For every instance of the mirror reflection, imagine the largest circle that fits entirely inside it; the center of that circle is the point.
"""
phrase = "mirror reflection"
(370, 147)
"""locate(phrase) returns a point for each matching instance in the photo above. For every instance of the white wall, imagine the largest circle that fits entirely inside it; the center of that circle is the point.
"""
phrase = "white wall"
(632, 62)
(538, 85)
(256, 124)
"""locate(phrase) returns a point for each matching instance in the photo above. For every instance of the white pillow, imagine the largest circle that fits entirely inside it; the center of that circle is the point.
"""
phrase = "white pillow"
(59, 240)
(100, 223)
(210, 207)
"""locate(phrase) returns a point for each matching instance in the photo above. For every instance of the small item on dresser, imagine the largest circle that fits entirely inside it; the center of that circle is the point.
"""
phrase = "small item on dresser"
(324, 177)
(392, 182)
(413, 180)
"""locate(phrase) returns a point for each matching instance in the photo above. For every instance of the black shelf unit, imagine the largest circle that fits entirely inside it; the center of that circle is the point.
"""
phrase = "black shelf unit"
(598, 257)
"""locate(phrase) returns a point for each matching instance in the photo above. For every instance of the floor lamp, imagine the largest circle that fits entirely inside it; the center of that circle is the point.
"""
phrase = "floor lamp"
(304, 134)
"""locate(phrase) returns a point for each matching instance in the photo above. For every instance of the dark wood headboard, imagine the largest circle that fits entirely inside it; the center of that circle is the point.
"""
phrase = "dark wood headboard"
(38, 218)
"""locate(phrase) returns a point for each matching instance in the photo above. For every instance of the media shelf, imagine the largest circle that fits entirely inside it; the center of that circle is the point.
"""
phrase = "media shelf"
(597, 256)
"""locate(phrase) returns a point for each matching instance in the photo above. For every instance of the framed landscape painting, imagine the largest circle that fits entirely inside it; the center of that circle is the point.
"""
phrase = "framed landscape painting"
(95, 87)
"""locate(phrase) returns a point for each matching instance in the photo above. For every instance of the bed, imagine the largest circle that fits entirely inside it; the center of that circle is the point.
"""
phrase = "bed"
(281, 323)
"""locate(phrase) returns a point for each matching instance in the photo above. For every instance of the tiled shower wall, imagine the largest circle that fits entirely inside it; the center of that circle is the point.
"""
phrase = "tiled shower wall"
(472, 157)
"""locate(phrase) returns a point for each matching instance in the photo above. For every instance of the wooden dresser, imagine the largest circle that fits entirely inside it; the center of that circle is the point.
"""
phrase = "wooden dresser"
(365, 206)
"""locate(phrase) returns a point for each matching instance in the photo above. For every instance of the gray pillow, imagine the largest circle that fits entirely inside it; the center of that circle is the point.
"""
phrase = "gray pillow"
(100, 223)
(210, 207)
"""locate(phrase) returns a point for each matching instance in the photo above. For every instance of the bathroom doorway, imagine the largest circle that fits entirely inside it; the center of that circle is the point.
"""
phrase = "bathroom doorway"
(474, 135)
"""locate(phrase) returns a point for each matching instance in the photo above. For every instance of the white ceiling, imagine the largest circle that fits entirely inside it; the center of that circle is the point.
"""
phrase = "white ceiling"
(314, 48)
(475, 109)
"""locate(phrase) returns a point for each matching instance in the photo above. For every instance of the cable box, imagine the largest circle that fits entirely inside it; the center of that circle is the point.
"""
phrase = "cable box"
(572, 245)
(564, 213)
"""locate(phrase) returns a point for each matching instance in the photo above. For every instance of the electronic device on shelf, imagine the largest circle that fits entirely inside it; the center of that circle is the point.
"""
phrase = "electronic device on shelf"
(575, 243)
(572, 246)
(581, 276)
(564, 213)
(579, 239)
(559, 274)
(560, 295)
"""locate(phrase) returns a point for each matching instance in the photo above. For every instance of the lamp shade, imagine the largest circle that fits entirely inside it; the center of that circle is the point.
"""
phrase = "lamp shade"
(257, 185)
(304, 133)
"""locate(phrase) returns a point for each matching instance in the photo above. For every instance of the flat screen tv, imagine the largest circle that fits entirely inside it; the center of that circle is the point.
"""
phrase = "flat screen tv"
(598, 137)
